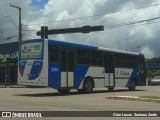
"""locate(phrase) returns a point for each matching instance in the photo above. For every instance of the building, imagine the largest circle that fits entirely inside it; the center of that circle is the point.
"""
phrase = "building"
(8, 62)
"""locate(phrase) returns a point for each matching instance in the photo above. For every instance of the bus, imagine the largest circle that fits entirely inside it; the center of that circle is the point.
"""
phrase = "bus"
(65, 66)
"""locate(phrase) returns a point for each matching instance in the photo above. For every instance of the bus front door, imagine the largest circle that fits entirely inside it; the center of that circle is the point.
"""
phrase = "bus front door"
(67, 68)
(109, 70)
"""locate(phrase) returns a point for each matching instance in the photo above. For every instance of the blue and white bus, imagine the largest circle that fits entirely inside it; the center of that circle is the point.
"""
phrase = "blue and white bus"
(65, 66)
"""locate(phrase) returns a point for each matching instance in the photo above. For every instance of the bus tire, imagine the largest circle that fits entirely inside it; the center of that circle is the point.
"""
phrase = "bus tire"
(64, 91)
(133, 86)
(80, 90)
(88, 85)
(110, 88)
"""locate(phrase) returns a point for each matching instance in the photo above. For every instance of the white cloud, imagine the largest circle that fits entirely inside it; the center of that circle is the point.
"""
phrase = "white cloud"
(121, 38)
(64, 15)
(149, 53)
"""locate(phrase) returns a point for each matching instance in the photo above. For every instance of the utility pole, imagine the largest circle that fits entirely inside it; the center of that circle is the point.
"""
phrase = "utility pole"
(20, 24)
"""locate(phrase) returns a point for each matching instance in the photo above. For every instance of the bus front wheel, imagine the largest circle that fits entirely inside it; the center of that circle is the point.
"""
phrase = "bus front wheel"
(133, 86)
(88, 85)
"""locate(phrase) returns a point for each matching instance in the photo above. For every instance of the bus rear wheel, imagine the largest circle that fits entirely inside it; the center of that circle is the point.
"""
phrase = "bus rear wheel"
(133, 86)
(110, 88)
(88, 85)
(64, 91)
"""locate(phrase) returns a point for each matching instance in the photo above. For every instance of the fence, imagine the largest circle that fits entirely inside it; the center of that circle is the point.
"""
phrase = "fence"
(8, 73)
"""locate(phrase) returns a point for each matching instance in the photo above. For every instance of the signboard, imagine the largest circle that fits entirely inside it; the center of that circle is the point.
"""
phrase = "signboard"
(31, 50)
(9, 50)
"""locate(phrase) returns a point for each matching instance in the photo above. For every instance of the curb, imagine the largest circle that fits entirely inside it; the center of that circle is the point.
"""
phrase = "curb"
(12, 86)
(133, 98)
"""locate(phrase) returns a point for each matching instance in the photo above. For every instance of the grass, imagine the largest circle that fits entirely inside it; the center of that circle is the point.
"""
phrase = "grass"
(151, 97)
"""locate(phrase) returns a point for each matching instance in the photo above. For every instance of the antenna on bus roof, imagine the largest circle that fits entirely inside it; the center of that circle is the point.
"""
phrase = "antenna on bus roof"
(85, 29)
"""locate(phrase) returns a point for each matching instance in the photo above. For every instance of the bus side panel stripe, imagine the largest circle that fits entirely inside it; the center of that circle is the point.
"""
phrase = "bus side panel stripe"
(80, 74)
(22, 66)
(134, 74)
(37, 65)
(54, 72)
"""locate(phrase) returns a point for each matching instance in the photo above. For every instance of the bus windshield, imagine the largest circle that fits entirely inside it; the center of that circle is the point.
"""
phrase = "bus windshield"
(31, 50)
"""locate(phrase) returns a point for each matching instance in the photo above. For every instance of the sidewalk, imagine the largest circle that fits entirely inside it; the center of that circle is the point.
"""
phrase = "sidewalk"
(133, 98)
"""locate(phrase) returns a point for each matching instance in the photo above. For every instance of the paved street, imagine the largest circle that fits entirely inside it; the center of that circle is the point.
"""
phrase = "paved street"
(47, 99)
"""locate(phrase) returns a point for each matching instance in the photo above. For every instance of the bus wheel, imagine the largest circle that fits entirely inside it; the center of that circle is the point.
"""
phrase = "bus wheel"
(88, 85)
(65, 91)
(110, 88)
(80, 90)
(133, 86)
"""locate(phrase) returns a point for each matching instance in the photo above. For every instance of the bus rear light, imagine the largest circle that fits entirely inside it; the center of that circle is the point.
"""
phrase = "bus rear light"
(29, 75)
(39, 71)
(20, 71)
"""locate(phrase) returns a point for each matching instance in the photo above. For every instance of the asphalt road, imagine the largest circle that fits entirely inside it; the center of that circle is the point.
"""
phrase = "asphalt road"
(47, 99)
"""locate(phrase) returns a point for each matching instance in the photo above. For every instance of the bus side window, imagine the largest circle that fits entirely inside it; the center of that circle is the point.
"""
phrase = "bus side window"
(120, 60)
(96, 58)
(131, 61)
(83, 56)
(53, 55)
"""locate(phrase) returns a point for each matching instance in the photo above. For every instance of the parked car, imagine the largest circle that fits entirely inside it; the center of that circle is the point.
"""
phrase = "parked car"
(148, 81)
(155, 80)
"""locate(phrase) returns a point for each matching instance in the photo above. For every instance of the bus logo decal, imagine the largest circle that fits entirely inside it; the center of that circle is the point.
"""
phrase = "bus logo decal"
(54, 69)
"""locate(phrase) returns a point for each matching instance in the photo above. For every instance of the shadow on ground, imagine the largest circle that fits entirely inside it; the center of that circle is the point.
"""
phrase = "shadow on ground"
(73, 93)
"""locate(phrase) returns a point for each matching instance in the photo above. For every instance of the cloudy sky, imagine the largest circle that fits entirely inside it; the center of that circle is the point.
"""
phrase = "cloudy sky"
(129, 24)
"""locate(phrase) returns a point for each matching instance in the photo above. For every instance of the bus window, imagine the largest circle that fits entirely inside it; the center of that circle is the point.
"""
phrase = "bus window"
(83, 56)
(131, 61)
(120, 60)
(142, 70)
(53, 51)
(109, 63)
(96, 58)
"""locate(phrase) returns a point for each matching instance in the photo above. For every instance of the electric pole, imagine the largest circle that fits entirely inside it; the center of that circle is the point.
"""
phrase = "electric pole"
(20, 24)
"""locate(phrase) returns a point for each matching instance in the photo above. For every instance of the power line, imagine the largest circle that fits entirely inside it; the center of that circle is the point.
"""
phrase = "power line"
(130, 23)
(114, 12)
(120, 25)
(122, 18)
(8, 38)
(7, 29)
(141, 24)
(4, 3)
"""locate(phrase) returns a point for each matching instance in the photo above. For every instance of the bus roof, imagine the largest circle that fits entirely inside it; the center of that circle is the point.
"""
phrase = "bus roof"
(118, 51)
(72, 44)
(93, 47)
(88, 46)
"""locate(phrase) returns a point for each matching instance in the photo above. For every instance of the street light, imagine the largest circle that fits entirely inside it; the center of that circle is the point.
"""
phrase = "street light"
(5, 15)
